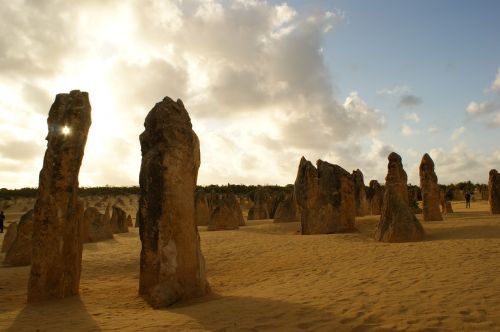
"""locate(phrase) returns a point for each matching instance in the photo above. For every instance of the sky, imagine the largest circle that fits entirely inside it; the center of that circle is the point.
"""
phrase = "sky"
(265, 82)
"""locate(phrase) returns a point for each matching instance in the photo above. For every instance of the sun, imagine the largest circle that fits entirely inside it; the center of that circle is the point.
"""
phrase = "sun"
(66, 130)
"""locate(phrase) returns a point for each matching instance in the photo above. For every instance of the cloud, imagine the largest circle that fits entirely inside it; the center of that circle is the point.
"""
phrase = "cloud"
(396, 90)
(244, 99)
(409, 100)
(433, 129)
(495, 86)
(477, 109)
(461, 164)
(487, 112)
(457, 133)
(407, 130)
(412, 117)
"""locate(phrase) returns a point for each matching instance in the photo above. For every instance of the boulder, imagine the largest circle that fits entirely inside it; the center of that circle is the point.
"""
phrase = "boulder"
(397, 222)
(57, 246)
(119, 222)
(494, 191)
(325, 198)
(287, 210)
(430, 190)
(226, 214)
(172, 267)
(19, 252)
(9, 237)
(95, 226)
(202, 208)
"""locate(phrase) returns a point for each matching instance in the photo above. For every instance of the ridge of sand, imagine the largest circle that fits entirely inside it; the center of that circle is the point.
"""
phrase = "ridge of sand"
(267, 277)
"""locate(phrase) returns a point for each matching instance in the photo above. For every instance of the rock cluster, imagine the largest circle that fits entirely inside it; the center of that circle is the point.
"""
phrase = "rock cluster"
(172, 265)
(494, 191)
(430, 190)
(325, 197)
(397, 222)
(226, 213)
(57, 246)
(259, 209)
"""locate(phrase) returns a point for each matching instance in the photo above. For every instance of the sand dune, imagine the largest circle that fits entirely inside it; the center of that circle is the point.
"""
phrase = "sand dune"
(265, 276)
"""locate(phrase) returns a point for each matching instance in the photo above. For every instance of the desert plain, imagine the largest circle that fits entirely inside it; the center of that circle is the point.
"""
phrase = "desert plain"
(266, 276)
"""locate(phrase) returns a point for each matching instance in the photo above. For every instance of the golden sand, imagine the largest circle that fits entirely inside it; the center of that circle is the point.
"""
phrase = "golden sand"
(267, 277)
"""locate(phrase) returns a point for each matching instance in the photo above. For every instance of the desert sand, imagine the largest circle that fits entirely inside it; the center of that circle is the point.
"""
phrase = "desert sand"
(266, 276)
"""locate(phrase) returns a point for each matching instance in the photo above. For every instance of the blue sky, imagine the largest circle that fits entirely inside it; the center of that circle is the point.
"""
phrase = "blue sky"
(265, 82)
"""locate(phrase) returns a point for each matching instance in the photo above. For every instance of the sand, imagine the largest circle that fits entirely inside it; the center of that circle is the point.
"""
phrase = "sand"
(265, 276)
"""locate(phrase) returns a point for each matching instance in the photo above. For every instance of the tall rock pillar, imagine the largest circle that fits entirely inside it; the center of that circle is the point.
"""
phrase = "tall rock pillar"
(172, 265)
(57, 245)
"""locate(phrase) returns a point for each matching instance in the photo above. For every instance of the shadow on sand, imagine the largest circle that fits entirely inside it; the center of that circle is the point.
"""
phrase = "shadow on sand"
(59, 315)
(468, 232)
(236, 313)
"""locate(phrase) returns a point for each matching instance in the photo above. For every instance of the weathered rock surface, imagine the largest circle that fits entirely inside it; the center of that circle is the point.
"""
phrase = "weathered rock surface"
(20, 251)
(57, 245)
(397, 222)
(118, 222)
(202, 208)
(95, 227)
(172, 265)
(376, 197)
(9, 237)
(444, 202)
(325, 197)
(234, 205)
(494, 191)
(360, 194)
(287, 210)
(259, 209)
(430, 190)
(129, 221)
(226, 214)
(273, 201)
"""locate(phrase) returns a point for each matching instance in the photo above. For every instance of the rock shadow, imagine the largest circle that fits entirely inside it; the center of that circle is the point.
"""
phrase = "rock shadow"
(237, 313)
(468, 232)
(67, 314)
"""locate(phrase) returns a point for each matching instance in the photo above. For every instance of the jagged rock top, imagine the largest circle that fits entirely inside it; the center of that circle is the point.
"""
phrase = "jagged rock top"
(70, 110)
(427, 160)
(161, 123)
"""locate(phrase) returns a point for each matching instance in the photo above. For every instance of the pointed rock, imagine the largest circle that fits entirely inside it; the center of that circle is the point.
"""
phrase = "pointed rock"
(430, 190)
(172, 265)
(397, 222)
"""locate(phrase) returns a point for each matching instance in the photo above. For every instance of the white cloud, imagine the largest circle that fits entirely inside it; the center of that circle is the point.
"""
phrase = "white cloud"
(407, 130)
(224, 59)
(457, 133)
(433, 129)
(475, 108)
(396, 90)
(412, 117)
(487, 112)
(495, 86)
